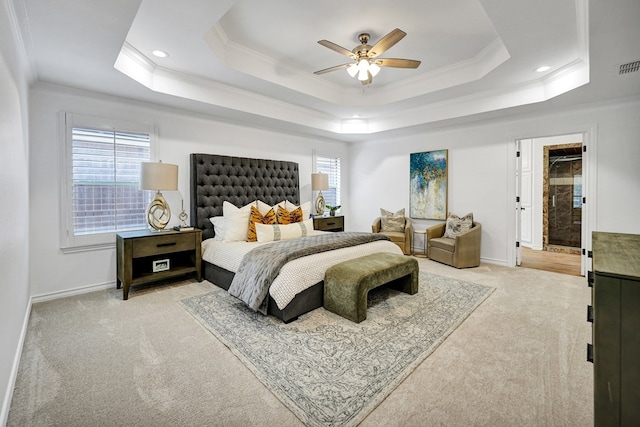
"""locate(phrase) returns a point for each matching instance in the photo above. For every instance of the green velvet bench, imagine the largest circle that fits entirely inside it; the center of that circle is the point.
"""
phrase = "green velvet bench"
(346, 285)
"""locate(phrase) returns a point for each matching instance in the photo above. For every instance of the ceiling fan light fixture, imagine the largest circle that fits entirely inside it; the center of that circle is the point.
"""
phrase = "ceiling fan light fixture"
(366, 64)
(374, 69)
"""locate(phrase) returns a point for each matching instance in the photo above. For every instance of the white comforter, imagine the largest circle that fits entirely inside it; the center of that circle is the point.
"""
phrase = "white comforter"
(296, 275)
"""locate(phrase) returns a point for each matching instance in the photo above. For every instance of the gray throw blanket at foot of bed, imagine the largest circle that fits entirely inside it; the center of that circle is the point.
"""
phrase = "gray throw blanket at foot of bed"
(261, 265)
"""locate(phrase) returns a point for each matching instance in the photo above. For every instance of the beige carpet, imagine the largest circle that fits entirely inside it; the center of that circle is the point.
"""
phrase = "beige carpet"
(93, 359)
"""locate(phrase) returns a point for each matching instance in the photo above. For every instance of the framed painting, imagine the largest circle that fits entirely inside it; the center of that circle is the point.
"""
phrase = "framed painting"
(428, 185)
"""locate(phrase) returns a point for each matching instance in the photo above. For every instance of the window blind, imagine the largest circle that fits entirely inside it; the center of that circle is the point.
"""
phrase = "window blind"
(330, 166)
(105, 171)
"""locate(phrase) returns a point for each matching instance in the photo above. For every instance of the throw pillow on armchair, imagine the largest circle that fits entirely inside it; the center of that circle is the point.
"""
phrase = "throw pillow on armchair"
(392, 221)
(456, 225)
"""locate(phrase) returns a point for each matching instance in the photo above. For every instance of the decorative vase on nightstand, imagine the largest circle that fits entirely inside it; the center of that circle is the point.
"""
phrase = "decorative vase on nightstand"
(333, 209)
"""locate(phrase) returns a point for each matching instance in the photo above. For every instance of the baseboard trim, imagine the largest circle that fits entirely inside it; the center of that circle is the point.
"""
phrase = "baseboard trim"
(6, 405)
(71, 292)
(494, 261)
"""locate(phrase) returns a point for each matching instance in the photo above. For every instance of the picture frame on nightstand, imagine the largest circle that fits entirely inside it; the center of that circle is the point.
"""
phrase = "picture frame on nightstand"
(161, 265)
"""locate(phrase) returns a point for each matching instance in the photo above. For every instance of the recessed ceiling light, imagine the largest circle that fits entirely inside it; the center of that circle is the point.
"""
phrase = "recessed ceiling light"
(356, 116)
(160, 53)
(542, 69)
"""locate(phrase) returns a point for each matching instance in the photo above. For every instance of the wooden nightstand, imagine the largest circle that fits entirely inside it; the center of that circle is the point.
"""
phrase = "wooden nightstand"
(146, 256)
(328, 223)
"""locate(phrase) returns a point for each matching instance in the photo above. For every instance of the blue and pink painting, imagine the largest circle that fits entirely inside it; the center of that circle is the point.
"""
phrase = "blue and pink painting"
(428, 185)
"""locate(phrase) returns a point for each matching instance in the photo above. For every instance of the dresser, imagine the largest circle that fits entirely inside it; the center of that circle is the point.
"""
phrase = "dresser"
(615, 313)
(328, 223)
(147, 256)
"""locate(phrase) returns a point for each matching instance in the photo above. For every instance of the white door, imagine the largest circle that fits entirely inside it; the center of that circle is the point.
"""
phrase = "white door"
(518, 203)
(526, 193)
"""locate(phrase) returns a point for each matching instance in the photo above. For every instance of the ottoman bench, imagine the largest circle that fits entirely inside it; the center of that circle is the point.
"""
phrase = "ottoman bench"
(346, 285)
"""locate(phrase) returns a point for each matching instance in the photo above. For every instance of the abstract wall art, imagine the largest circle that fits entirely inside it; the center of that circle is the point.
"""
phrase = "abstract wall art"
(428, 185)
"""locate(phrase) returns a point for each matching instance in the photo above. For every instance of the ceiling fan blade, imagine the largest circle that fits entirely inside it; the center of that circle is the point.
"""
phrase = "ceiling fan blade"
(386, 42)
(337, 48)
(397, 63)
(328, 70)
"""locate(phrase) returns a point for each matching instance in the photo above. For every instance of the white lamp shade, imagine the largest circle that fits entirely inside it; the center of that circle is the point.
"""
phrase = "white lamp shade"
(374, 69)
(319, 181)
(158, 176)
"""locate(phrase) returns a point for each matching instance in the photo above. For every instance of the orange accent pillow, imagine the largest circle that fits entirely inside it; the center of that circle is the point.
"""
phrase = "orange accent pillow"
(286, 217)
(256, 216)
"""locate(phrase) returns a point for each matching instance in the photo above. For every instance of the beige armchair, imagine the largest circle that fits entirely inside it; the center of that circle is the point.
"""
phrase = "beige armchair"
(403, 240)
(461, 252)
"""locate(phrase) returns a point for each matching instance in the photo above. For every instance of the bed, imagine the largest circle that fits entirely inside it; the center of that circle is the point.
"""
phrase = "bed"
(216, 179)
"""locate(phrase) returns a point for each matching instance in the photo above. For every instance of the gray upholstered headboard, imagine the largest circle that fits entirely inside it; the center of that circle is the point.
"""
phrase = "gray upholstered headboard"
(238, 180)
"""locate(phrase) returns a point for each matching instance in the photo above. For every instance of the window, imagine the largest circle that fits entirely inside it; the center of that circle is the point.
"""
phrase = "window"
(102, 173)
(330, 166)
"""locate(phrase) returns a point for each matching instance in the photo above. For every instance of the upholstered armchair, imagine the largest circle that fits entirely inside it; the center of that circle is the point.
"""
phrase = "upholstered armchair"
(461, 252)
(402, 239)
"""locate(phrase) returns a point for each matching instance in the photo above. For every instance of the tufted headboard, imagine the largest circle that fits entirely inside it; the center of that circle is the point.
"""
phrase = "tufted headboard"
(238, 180)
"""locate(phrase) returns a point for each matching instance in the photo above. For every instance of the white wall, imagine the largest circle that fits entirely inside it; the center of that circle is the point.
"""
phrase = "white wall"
(14, 190)
(477, 169)
(179, 134)
(482, 170)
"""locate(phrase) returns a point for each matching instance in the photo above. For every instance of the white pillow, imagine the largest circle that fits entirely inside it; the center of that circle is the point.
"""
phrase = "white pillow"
(265, 208)
(236, 221)
(270, 233)
(218, 227)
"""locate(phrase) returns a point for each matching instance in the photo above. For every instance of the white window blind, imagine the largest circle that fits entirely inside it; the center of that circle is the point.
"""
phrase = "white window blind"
(106, 180)
(102, 197)
(330, 166)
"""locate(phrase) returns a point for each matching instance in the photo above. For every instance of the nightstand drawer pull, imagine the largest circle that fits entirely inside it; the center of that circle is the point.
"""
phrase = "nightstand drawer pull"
(161, 245)
(331, 223)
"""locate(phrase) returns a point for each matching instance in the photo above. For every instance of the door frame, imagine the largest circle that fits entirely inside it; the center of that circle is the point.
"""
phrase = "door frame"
(589, 190)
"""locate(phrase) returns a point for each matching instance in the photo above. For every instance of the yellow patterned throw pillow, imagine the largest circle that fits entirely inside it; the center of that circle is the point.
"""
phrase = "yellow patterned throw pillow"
(286, 217)
(456, 225)
(257, 217)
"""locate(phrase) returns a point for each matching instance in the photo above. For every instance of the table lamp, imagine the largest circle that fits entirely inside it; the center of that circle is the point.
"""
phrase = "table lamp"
(158, 176)
(319, 182)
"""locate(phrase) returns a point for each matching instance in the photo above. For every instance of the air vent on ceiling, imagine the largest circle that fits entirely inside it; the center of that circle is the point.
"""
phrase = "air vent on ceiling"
(629, 67)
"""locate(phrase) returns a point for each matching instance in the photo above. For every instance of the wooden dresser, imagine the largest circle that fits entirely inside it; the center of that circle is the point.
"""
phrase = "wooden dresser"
(615, 313)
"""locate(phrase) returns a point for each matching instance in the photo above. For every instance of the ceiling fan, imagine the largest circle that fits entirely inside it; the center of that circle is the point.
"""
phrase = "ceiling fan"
(367, 64)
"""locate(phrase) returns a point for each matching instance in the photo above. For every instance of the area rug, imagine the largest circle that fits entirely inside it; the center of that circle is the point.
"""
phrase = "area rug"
(328, 370)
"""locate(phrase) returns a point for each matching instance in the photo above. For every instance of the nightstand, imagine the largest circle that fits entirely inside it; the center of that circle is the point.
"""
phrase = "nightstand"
(328, 223)
(148, 256)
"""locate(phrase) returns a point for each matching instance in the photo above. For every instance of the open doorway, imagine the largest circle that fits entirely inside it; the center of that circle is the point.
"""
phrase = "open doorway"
(550, 204)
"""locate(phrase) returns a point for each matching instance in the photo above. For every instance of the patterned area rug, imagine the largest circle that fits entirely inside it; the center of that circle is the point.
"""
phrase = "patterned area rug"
(333, 372)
